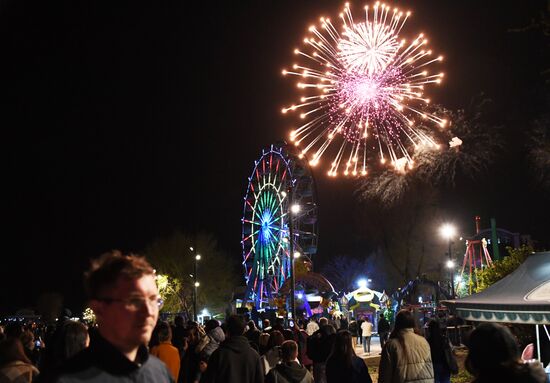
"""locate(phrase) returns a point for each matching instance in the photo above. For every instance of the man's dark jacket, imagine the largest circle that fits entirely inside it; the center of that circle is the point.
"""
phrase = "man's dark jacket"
(383, 325)
(319, 344)
(234, 362)
(102, 362)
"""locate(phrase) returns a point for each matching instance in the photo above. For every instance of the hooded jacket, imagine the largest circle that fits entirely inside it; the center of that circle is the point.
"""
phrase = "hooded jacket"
(414, 365)
(289, 372)
(234, 362)
(216, 336)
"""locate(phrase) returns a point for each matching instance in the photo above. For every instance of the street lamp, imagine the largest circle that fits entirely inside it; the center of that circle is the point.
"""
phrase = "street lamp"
(294, 209)
(448, 232)
(195, 282)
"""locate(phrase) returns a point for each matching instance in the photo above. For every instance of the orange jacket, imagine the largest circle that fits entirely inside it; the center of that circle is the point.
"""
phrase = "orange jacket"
(170, 356)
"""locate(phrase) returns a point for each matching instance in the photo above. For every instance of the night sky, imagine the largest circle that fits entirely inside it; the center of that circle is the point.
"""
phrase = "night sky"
(123, 122)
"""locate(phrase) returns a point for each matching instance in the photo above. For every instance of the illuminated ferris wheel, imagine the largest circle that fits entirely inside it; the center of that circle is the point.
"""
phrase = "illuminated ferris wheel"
(279, 179)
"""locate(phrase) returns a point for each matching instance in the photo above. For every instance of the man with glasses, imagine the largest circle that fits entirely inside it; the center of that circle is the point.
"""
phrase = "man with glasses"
(124, 297)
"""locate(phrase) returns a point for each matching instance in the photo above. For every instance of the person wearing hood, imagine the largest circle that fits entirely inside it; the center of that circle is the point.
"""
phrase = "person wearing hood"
(215, 336)
(234, 361)
(290, 370)
(209, 342)
(494, 356)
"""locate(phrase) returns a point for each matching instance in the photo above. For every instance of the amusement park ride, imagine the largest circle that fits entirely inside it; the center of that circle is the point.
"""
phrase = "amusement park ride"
(279, 217)
(476, 253)
(279, 231)
(279, 228)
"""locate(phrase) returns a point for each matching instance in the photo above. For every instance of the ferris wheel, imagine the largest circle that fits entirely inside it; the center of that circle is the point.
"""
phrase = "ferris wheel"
(279, 181)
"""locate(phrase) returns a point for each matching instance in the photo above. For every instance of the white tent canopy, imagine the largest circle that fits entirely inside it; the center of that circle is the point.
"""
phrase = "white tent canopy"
(521, 297)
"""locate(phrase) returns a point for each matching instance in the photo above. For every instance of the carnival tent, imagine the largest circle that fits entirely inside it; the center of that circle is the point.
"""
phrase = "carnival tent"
(521, 297)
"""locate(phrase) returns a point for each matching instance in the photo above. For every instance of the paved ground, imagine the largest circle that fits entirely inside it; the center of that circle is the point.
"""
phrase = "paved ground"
(373, 359)
(374, 348)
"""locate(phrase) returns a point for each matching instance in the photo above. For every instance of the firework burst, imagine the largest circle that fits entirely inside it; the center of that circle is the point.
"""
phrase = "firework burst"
(365, 88)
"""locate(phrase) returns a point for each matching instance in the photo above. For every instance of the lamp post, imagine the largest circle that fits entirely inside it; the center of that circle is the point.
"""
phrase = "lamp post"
(195, 282)
(294, 209)
(448, 231)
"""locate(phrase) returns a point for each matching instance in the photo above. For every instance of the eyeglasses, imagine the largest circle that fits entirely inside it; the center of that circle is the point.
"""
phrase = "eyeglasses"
(136, 304)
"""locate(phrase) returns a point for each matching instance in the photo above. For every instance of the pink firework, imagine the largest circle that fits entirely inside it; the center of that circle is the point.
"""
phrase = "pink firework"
(362, 82)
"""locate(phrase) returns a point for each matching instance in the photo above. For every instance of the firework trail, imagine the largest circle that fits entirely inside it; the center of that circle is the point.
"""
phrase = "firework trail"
(362, 82)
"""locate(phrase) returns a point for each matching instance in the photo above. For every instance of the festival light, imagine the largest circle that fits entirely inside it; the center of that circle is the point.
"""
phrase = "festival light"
(364, 86)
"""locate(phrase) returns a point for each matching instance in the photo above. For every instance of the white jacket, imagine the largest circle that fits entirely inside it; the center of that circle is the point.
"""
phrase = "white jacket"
(366, 327)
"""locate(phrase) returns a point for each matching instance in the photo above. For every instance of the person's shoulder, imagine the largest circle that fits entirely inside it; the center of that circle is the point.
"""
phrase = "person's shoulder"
(156, 368)
(76, 369)
(166, 346)
(419, 338)
(308, 377)
(411, 336)
(391, 344)
(358, 362)
(153, 362)
(531, 373)
(274, 376)
(17, 368)
(174, 348)
(155, 350)
(80, 362)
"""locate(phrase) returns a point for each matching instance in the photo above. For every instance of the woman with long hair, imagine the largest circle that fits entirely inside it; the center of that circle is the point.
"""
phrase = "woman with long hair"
(14, 364)
(343, 365)
(406, 355)
(494, 356)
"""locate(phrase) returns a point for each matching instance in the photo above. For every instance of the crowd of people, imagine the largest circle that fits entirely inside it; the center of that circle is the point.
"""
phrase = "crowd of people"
(130, 343)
